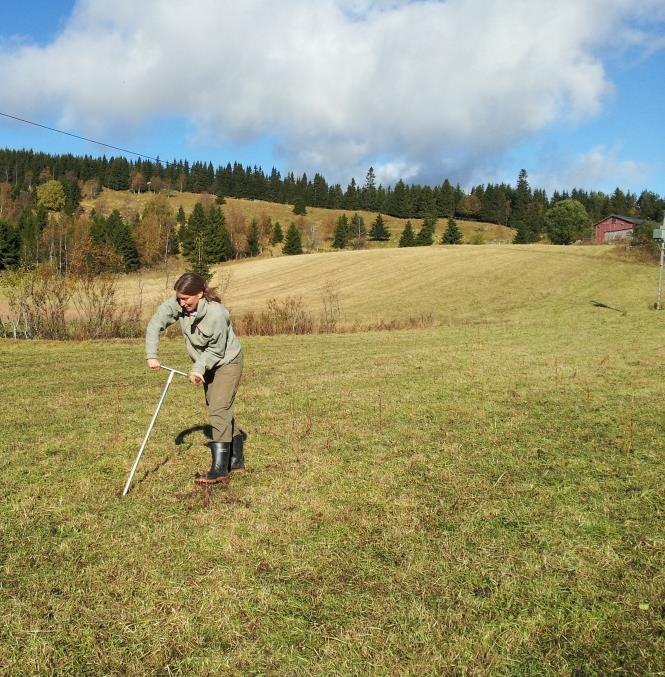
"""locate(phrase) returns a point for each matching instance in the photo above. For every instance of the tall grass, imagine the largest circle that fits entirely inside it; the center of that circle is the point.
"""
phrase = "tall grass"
(45, 304)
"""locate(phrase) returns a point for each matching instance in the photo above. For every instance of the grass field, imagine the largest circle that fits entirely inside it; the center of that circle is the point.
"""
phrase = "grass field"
(484, 497)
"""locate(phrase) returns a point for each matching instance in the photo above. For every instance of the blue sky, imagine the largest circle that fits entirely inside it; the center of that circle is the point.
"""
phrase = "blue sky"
(575, 93)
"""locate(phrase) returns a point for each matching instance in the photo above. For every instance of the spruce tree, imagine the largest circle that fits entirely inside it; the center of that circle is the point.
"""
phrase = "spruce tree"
(293, 242)
(193, 230)
(117, 233)
(426, 235)
(357, 231)
(408, 238)
(201, 267)
(445, 200)
(299, 206)
(379, 232)
(181, 219)
(10, 247)
(369, 194)
(341, 235)
(217, 242)
(277, 234)
(72, 194)
(452, 234)
(253, 241)
(29, 228)
(527, 230)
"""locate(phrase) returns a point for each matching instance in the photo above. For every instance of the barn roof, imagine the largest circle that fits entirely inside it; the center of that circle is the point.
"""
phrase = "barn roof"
(629, 219)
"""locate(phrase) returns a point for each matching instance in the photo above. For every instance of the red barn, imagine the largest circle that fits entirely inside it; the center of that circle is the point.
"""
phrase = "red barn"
(615, 227)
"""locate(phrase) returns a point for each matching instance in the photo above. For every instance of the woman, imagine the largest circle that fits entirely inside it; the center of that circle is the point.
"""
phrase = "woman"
(217, 356)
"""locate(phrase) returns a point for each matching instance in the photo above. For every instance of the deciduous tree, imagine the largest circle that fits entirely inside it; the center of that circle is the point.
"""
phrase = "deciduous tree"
(567, 221)
(51, 195)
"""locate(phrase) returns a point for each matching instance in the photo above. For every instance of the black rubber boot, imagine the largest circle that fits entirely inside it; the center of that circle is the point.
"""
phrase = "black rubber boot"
(219, 470)
(237, 460)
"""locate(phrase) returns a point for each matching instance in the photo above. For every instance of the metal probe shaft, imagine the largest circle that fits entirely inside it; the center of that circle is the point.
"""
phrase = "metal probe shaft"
(172, 372)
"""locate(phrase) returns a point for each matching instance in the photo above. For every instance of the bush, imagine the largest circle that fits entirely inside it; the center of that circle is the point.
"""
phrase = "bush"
(642, 245)
(286, 317)
(38, 301)
(41, 301)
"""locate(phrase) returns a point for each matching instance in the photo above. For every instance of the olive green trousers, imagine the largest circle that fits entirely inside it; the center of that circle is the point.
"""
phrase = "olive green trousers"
(221, 385)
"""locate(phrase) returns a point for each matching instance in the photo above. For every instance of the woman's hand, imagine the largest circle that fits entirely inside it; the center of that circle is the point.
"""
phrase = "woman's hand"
(154, 364)
(195, 378)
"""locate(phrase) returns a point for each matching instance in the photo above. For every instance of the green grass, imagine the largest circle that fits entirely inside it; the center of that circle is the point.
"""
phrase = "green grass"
(482, 497)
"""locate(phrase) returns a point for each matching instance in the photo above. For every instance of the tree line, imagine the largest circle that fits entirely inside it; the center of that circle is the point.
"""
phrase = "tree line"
(517, 206)
(35, 185)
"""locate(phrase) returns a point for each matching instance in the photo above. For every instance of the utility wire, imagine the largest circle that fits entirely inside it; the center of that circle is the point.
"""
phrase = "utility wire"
(83, 138)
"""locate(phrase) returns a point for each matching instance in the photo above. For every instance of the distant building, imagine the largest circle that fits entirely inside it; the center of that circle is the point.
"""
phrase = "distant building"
(615, 227)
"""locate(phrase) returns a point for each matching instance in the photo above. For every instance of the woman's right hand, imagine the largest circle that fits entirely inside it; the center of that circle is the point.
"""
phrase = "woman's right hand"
(154, 364)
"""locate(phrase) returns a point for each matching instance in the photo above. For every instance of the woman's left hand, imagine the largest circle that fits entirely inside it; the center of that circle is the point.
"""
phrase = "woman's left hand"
(195, 378)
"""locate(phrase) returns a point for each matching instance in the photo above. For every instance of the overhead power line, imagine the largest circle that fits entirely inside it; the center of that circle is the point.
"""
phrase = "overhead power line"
(83, 138)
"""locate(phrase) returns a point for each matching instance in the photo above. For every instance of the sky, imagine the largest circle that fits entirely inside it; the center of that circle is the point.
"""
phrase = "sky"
(573, 91)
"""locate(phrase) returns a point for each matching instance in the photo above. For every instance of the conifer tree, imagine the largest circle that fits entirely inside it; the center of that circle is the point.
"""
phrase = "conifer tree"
(299, 206)
(72, 194)
(29, 229)
(253, 243)
(519, 216)
(217, 244)
(193, 230)
(204, 239)
(379, 232)
(400, 201)
(118, 234)
(277, 234)
(201, 267)
(10, 247)
(293, 242)
(180, 218)
(341, 235)
(357, 231)
(426, 235)
(408, 238)
(452, 234)
(446, 199)
(369, 194)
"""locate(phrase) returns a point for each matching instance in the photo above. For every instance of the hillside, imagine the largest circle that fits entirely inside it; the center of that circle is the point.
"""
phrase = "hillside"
(321, 219)
(454, 284)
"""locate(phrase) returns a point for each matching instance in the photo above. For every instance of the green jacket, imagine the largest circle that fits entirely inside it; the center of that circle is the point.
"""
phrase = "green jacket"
(209, 337)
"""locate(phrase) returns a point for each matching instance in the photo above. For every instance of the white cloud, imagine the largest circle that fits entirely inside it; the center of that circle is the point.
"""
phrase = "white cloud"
(600, 168)
(339, 82)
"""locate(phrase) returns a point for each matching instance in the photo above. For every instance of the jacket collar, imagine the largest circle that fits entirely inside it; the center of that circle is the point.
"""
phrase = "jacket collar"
(200, 310)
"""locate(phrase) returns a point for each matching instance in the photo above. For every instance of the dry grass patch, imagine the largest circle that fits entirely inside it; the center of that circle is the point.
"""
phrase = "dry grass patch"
(317, 225)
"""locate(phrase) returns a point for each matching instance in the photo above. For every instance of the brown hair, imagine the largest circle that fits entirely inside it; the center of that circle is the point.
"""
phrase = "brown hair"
(193, 283)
